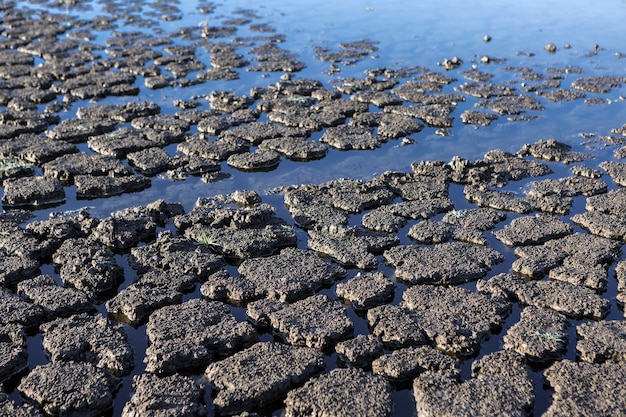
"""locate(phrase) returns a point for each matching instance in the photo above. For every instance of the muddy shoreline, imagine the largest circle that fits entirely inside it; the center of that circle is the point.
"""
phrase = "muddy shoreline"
(485, 286)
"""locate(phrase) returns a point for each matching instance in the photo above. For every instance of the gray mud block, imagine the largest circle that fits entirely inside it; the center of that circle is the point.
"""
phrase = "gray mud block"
(261, 374)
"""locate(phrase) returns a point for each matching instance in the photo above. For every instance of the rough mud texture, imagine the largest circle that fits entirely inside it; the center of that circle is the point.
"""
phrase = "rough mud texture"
(69, 388)
(237, 232)
(352, 246)
(16, 311)
(167, 396)
(56, 301)
(407, 364)
(578, 258)
(341, 392)
(368, 290)
(431, 232)
(602, 341)
(586, 389)
(531, 230)
(90, 267)
(500, 386)
(540, 335)
(191, 334)
(32, 191)
(552, 150)
(447, 263)
(360, 351)
(499, 200)
(317, 322)
(261, 375)
(291, 275)
(200, 288)
(89, 339)
(571, 300)
(13, 353)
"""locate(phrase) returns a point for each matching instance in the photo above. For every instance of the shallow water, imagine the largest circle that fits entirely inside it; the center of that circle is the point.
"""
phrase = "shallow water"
(413, 34)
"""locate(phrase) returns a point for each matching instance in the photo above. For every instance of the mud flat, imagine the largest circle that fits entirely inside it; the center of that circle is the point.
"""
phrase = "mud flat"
(490, 286)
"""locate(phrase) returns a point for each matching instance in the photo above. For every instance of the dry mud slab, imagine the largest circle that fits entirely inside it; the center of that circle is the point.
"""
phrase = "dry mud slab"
(192, 334)
(571, 300)
(366, 291)
(540, 335)
(453, 319)
(601, 341)
(91, 339)
(341, 392)
(160, 397)
(582, 388)
(56, 301)
(13, 351)
(360, 351)
(445, 263)
(499, 386)
(407, 364)
(261, 375)
(70, 388)
(316, 321)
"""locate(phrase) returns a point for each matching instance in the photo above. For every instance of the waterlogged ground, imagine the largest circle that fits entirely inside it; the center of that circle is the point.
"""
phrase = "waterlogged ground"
(419, 204)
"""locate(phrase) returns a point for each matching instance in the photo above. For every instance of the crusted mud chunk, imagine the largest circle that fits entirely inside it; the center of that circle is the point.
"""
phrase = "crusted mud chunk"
(260, 375)
(71, 389)
(13, 353)
(552, 150)
(221, 286)
(360, 351)
(316, 321)
(32, 192)
(189, 335)
(77, 131)
(56, 301)
(366, 291)
(66, 167)
(571, 300)
(408, 363)
(616, 170)
(89, 266)
(13, 409)
(540, 335)
(601, 341)
(14, 269)
(136, 302)
(161, 397)
(291, 275)
(475, 117)
(480, 219)
(341, 392)
(499, 200)
(454, 319)
(18, 311)
(432, 232)
(120, 142)
(584, 389)
(352, 246)
(90, 186)
(178, 254)
(259, 160)
(531, 230)
(602, 224)
(499, 386)
(445, 264)
(613, 202)
(347, 137)
(92, 339)
(296, 148)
